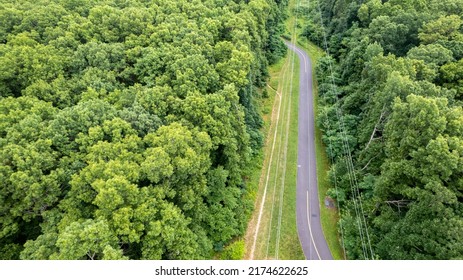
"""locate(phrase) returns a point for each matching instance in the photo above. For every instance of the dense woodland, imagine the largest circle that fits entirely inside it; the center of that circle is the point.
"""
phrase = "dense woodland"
(391, 96)
(126, 126)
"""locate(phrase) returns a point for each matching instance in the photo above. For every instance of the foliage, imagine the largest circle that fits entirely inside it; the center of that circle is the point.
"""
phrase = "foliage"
(126, 126)
(390, 100)
(234, 251)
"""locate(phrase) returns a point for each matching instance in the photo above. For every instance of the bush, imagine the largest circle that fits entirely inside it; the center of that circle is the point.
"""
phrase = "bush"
(234, 251)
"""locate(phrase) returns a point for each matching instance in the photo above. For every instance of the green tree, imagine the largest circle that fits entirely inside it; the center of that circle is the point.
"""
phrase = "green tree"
(420, 187)
(444, 28)
(126, 127)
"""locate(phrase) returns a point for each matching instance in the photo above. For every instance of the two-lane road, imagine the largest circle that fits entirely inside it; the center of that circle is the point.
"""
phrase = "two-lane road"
(307, 205)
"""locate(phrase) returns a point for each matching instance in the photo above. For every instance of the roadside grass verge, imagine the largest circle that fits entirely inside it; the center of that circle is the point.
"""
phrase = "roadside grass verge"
(290, 246)
(269, 108)
(277, 237)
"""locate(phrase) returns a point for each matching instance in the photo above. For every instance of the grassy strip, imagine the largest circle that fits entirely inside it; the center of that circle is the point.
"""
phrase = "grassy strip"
(257, 179)
(329, 217)
(285, 156)
(290, 246)
(264, 246)
(258, 166)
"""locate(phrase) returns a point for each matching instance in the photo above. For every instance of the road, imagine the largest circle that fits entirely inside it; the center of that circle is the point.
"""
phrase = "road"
(307, 204)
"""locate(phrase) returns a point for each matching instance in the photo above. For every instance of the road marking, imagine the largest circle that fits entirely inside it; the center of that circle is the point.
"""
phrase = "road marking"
(294, 48)
(305, 61)
(310, 228)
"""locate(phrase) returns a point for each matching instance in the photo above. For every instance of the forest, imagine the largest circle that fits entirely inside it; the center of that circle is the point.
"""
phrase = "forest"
(126, 126)
(390, 107)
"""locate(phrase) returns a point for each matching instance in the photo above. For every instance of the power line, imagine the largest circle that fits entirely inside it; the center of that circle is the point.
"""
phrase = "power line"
(360, 215)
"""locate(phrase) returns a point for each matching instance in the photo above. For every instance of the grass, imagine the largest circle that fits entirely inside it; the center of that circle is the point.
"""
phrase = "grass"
(290, 246)
(254, 180)
(277, 237)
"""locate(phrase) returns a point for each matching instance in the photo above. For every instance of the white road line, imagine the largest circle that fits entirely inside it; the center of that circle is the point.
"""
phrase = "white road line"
(294, 48)
(305, 61)
(307, 201)
(310, 228)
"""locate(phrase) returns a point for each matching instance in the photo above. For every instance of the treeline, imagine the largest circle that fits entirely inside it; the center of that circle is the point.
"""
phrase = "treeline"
(127, 125)
(391, 96)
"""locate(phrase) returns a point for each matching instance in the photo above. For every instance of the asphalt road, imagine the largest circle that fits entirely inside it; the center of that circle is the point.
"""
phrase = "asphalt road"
(307, 204)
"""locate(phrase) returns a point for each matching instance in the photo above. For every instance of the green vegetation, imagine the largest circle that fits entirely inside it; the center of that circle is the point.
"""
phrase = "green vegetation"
(277, 233)
(277, 236)
(390, 108)
(127, 127)
(234, 251)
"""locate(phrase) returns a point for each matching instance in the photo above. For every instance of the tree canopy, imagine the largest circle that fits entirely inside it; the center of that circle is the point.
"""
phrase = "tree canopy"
(393, 119)
(126, 126)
